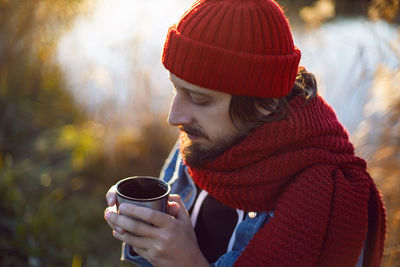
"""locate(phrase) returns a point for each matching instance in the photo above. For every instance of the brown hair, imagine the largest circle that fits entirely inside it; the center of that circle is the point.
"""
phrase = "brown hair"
(247, 109)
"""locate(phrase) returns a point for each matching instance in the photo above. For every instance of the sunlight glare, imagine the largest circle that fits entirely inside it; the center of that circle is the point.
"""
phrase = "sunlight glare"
(105, 50)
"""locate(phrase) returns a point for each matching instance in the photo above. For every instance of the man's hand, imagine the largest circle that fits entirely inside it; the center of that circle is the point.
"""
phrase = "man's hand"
(164, 239)
(110, 196)
(111, 201)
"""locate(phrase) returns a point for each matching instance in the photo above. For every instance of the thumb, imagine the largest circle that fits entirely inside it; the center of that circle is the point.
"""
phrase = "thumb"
(177, 209)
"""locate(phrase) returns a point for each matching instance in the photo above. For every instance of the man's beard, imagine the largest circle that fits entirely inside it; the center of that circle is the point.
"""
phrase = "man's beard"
(195, 156)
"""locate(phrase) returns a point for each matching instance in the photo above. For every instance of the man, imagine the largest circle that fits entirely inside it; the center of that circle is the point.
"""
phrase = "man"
(264, 168)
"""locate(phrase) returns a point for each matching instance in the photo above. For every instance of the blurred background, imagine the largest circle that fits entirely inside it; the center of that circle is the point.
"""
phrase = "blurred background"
(84, 101)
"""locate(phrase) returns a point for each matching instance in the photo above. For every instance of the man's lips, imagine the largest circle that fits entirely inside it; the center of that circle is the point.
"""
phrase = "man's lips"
(193, 137)
(192, 133)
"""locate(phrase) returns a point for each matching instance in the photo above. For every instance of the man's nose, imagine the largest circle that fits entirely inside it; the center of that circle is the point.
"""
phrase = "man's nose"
(179, 113)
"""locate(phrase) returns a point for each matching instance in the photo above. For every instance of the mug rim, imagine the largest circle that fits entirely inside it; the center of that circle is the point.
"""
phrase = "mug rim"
(168, 189)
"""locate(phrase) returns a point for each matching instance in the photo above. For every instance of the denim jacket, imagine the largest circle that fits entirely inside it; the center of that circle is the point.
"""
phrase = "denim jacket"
(175, 173)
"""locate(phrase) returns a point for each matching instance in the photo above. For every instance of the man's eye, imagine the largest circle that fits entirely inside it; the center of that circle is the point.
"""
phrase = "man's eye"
(200, 101)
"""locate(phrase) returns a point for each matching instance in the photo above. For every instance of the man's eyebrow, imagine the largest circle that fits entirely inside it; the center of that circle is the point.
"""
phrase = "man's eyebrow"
(195, 92)
(192, 91)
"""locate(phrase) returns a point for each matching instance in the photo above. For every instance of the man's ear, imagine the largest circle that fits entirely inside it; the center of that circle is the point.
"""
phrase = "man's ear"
(264, 110)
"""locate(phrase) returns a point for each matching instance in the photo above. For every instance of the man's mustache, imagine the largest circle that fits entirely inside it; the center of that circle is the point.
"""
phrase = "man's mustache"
(193, 131)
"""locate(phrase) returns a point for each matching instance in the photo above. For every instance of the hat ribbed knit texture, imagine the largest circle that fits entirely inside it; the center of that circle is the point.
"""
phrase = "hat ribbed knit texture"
(240, 47)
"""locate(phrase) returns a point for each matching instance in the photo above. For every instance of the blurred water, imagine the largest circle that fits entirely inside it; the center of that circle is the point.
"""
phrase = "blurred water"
(112, 58)
(345, 56)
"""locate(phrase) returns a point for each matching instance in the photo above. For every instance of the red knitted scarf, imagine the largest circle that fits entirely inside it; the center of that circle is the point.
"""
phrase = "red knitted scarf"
(305, 170)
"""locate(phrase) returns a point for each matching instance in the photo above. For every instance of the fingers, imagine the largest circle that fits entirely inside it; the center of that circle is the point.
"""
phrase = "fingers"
(173, 209)
(134, 226)
(176, 198)
(177, 209)
(150, 216)
(116, 228)
(138, 243)
(107, 213)
(110, 196)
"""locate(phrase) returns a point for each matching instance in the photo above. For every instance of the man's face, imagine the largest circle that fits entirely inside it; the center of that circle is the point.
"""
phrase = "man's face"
(203, 118)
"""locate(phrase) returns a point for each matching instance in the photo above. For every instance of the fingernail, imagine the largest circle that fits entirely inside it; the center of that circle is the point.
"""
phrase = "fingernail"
(109, 200)
(119, 230)
(107, 215)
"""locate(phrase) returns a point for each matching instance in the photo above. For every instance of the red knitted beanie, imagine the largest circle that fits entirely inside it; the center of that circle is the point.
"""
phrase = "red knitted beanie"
(240, 47)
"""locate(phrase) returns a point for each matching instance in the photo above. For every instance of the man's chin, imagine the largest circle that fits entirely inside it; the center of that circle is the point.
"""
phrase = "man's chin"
(196, 153)
(193, 155)
(193, 152)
